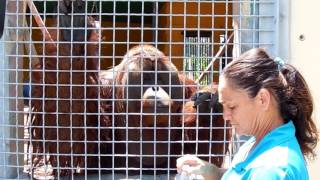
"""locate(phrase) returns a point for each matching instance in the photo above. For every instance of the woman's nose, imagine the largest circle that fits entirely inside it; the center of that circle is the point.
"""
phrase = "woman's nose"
(226, 115)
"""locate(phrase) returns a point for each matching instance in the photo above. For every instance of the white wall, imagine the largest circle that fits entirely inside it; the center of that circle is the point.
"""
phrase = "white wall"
(305, 55)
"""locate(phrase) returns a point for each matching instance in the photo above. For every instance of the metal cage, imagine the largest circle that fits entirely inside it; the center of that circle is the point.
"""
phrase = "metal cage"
(106, 89)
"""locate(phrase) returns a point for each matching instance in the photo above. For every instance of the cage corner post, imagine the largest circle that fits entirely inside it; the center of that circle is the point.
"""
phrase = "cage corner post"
(11, 103)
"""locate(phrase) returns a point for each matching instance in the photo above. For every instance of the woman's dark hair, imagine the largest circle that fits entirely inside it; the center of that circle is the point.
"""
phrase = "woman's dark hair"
(254, 70)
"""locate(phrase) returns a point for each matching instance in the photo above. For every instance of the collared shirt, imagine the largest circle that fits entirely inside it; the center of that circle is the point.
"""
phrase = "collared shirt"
(277, 156)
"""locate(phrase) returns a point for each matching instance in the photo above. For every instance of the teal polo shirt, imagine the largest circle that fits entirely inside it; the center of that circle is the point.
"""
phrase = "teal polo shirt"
(277, 156)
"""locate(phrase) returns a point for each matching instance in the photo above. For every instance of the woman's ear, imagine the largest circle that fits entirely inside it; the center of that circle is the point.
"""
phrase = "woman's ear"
(264, 98)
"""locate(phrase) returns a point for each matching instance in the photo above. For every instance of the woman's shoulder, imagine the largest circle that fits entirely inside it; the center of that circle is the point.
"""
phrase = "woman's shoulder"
(284, 160)
(275, 172)
(279, 148)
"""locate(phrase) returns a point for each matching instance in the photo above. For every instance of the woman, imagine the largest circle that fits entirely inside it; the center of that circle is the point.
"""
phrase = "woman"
(270, 101)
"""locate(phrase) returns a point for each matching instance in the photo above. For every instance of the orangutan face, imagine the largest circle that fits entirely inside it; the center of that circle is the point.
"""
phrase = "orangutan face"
(151, 92)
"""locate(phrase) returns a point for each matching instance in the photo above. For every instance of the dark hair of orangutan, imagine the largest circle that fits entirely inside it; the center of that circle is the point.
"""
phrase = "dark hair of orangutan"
(254, 70)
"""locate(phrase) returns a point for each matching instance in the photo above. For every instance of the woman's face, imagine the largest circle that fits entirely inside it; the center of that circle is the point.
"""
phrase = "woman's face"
(241, 110)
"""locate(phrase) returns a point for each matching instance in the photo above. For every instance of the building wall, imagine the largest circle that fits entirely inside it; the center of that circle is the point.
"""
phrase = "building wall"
(212, 16)
(304, 54)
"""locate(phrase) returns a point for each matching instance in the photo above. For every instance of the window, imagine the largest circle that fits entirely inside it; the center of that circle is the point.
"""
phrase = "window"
(198, 55)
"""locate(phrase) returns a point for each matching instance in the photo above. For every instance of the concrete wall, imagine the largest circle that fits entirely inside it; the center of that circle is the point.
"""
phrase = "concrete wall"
(304, 53)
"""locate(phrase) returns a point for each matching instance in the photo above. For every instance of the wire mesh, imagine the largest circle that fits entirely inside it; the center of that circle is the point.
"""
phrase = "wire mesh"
(106, 89)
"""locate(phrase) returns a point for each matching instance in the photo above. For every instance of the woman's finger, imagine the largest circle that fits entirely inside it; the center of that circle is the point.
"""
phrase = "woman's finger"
(186, 160)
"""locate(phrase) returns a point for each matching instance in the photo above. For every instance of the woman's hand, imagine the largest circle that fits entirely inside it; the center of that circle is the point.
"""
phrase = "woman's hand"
(192, 166)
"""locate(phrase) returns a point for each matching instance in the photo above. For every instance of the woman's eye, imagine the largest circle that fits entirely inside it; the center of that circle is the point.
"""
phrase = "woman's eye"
(231, 108)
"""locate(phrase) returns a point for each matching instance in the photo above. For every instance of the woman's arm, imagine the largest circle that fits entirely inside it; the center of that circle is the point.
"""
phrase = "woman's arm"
(191, 165)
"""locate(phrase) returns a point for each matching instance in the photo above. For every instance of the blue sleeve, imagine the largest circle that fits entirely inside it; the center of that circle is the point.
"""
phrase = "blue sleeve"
(269, 173)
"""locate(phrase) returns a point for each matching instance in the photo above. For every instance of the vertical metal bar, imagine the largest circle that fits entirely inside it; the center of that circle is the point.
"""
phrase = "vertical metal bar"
(185, 44)
(99, 90)
(200, 38)
(277, 27)
(255, 23)
(240, 25)
(154, 20)
(141, 111)
(170, 83)
(199, 58)
(85, 91)
(71, 72)
(16, 108)
(113, 84)
(194, 57)
(28, 152)
(59, 44)
(225, 40)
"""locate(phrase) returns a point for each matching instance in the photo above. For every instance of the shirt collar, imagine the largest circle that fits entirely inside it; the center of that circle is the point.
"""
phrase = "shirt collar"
(273, 138)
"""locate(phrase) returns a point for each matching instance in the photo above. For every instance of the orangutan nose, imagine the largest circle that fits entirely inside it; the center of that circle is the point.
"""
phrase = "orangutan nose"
(155, 88)
(156, 96)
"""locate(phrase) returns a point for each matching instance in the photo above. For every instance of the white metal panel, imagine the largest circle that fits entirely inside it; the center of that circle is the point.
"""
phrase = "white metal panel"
(304, 54)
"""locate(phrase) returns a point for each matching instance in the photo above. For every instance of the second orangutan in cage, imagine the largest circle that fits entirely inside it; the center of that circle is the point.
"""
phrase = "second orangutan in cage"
(207, 133)
(63, 103)
(148, 100)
